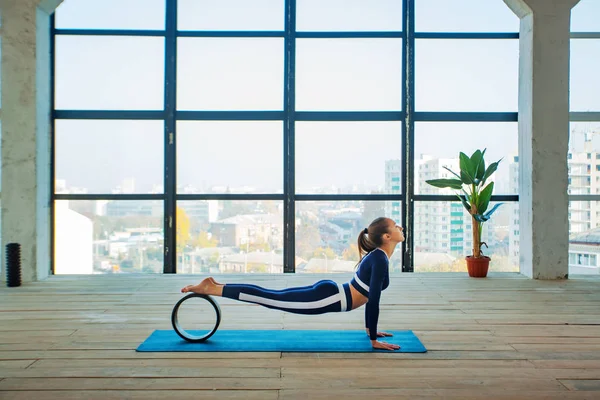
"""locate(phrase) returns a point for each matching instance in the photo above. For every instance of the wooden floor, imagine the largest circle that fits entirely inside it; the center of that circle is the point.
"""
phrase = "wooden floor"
(504, 337)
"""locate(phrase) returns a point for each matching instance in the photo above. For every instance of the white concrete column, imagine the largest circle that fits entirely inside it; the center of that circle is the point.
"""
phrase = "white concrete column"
(543, 136)
(26, 133)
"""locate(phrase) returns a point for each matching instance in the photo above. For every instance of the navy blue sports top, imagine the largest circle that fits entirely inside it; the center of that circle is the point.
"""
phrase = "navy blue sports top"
(370, 279)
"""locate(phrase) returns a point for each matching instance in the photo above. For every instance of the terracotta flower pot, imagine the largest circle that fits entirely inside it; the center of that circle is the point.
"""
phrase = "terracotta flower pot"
(478, 267)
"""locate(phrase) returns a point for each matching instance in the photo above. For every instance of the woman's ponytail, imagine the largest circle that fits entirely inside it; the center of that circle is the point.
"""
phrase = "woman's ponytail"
(364, 244)
(372, 237)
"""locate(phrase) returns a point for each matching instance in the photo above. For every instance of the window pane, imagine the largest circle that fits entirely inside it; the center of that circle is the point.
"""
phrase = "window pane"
(584, 238)
(583, 159)
(1, 64)
(109, 156)
(438, 144)
(103, 237)
(464, 16)
(0, 160)
(348, 74)
(348, 15)
(111, 14)
(443, 237)
(109, 72)
(230, 156)
(230, 74)
(466, 75)
(224, 236)
(584, 16)
(235, 15)
(585, 80)
(346, 157)
(327, 232)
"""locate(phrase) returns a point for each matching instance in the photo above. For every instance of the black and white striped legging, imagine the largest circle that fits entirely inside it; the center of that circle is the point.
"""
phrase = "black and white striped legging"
(322, 297)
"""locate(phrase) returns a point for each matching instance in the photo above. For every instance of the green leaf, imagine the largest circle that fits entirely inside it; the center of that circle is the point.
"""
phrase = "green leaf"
(476, 161)
(466, 194)
(484, 198)
(491, 169)
(466, 169)
(465, 178)
(481, 170)
(452, 172)
(463, 199)
(445, 183)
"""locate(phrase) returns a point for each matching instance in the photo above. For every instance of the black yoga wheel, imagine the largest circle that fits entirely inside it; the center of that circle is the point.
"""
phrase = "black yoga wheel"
(196, 317)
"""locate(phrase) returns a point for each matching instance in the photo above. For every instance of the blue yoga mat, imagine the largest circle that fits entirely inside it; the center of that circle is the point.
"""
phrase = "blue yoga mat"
(282, 340)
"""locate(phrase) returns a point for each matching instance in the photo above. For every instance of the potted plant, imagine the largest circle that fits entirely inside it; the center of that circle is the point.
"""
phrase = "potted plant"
(476, 198)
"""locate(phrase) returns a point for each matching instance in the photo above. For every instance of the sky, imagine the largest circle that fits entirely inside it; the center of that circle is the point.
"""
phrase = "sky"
(127, 73)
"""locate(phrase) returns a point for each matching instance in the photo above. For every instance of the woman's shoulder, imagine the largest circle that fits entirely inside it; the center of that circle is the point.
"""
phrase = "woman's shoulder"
(375, 257)
(380, 254)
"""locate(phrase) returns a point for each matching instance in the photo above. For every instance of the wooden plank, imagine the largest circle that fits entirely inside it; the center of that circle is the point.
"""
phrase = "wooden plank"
(446, 346)
(573, 373)
(142, 372)
(561, 355)
(562, 364)
(546, 330)
(328, 363)
(413, 373)
(38, 335)
(175, 362)
(25, 346)
(542, 319)
(143, 384)
(428, 393)
(561, 340)
(125, 354)
(74, 345)
(16, 363)
(569, 347)
(583, 384)
(383, 382)
(430, 355)
(270, 383)
(141, 395)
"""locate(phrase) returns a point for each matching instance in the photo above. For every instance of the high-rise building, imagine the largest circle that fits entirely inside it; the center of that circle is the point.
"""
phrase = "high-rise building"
(202, 211)
(584, 178)
(440, 227)
(393, 183)
(513, 220)
(584, 216)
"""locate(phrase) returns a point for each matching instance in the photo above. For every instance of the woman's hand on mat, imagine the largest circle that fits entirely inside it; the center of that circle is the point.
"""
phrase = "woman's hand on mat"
(384, 346)
(379, 334)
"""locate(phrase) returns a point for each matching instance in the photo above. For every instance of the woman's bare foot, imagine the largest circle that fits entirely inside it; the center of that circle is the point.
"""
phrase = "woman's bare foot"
(215, 282)
(207, 286)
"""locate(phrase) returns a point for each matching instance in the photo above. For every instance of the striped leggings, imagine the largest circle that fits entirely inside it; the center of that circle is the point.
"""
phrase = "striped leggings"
(323, 297)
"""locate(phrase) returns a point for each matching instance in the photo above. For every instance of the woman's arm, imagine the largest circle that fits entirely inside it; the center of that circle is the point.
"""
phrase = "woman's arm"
(372, 307)
(379, 334)
(378, 274)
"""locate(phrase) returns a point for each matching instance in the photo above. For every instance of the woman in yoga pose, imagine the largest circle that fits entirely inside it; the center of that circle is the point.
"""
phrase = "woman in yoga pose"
(376, 245)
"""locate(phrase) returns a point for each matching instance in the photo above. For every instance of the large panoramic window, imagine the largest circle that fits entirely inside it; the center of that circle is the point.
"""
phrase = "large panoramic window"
(466, 98)
(583, 159)
(204, 136)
